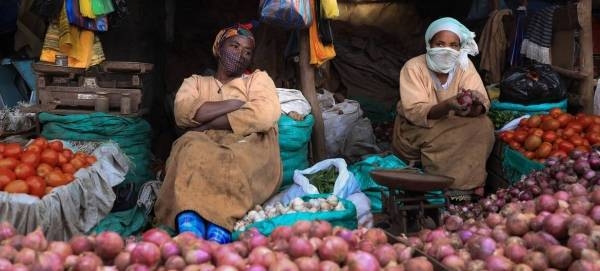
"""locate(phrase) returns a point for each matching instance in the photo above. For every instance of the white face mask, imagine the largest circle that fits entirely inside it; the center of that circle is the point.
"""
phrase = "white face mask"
(442, 59)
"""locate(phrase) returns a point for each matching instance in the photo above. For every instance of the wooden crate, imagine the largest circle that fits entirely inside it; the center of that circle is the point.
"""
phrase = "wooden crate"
(77, 99)
(63, 90)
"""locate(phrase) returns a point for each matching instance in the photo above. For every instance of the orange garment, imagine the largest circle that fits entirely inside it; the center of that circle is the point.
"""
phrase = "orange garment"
(319, 53)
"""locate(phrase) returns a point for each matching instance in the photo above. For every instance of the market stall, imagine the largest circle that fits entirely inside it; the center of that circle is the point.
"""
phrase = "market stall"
(345, 203)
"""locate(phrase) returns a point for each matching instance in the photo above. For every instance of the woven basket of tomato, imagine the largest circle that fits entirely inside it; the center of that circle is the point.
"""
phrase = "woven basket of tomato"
(553, 135)
(39, 167)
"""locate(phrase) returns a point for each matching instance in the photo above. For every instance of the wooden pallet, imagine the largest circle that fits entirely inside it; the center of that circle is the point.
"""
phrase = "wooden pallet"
(64, 90)
(75, 110)
(64, 99)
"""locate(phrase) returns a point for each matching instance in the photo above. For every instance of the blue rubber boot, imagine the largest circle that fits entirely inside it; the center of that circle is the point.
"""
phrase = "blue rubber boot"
(190, 221)
(218, 234)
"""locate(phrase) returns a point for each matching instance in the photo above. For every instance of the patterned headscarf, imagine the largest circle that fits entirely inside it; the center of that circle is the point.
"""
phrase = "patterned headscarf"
(236, 30)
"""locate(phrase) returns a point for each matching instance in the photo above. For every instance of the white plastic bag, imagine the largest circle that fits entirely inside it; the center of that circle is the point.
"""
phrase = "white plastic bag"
(363, 209)
(292, 100)
(345, 183)
(337, 122)
(360, 141)
(513, 124)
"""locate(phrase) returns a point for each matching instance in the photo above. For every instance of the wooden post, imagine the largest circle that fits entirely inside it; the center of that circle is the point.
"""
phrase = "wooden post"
(586, 58)
(307, 85)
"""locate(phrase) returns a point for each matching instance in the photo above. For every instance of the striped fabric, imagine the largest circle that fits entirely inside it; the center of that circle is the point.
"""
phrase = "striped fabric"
(538, 37)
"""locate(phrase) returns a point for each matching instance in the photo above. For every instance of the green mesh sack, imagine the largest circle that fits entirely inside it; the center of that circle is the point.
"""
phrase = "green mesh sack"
(293, 144)
(125, 223)
(361, 172)
(132, 135)
(515, 164)
(345, 218)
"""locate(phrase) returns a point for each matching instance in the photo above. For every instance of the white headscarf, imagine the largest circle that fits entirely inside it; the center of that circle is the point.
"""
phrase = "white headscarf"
(468, 46)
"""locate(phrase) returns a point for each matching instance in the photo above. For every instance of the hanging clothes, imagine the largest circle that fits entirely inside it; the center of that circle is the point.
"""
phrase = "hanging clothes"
(319, 53)
(31, 28)
(85, 8)
(46, 8)
(81, 46)
(102, 7)
(538, 37)
(514, 52)
(120, 13)
(75, 17)
(493, 44)
(329, 9)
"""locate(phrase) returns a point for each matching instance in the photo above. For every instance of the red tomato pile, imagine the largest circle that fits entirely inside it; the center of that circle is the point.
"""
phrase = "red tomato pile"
(554, 134)
(40, 167)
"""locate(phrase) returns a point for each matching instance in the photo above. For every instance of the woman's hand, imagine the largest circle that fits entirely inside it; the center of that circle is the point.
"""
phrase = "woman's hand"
(442, 109)
(478, 98)
(475, 108)
(218, 123)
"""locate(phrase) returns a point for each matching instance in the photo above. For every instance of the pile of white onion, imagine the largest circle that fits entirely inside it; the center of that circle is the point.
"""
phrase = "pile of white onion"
(297, 205)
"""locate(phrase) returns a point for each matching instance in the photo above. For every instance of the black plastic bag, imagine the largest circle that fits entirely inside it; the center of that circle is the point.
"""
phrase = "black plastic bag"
(533, 84)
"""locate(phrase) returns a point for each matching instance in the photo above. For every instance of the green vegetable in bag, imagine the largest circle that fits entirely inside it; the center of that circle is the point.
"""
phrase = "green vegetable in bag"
(323, 180)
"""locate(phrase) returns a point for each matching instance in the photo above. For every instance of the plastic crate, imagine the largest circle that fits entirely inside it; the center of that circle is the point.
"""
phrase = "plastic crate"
(515, 165)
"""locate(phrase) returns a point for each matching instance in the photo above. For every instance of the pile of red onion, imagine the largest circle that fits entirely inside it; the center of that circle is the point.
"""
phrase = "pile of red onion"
(580, 168)
(548, 221)
(305, 246)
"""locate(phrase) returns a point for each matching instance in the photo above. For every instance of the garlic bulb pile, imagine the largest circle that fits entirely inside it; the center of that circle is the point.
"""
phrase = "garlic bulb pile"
(297, 205)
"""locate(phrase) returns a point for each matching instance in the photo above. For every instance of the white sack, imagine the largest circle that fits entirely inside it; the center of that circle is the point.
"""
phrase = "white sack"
(71, 209)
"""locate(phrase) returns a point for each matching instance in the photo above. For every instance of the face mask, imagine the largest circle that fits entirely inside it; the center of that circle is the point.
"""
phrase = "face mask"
(442, 59)
(233, 62)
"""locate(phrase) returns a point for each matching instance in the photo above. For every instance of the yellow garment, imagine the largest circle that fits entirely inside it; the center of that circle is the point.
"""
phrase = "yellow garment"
(454, 146)
(81, 46)
(319, 53)
(329, 9)
(223, 174)
(85, 8)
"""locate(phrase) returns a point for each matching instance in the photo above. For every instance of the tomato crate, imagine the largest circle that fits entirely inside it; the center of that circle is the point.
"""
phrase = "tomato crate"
(112, 87)
(515, 164)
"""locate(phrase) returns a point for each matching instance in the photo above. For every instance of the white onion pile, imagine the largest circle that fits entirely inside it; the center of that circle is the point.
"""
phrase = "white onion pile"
(297, 205)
